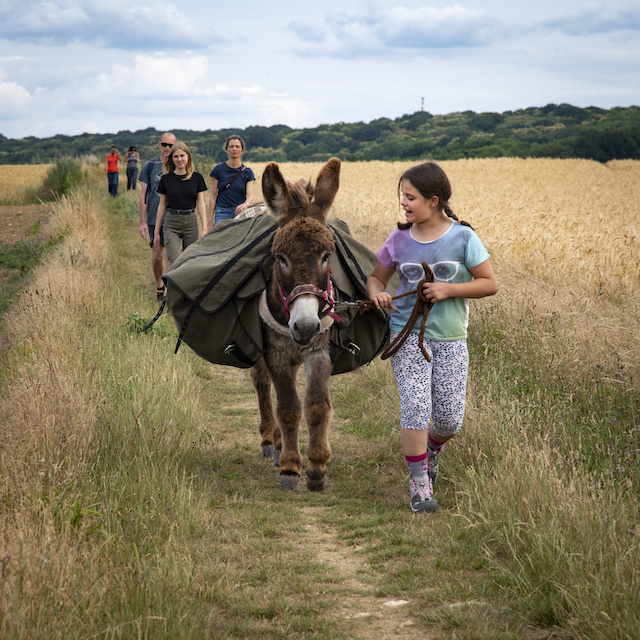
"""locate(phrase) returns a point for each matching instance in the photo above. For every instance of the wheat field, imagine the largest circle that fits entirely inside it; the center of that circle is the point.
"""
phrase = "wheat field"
(18, 179)
(567, 222)
(563, 237)
(564, 220)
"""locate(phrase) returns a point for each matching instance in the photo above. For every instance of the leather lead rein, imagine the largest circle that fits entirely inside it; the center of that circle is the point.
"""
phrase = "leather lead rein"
(422, 306)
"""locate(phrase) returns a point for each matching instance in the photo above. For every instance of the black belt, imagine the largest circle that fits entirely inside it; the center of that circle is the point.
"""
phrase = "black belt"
(181, 212)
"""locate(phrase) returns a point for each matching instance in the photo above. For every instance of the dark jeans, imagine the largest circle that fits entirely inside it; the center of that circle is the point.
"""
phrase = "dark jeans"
(224, 213)
(113, 183)
(132, 177)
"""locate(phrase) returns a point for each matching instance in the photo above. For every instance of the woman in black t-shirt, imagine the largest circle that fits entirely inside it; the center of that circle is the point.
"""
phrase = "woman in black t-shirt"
(181, 192)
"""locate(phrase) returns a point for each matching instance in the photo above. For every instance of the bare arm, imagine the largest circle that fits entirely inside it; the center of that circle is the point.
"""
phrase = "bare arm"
(377, 282)
(249, 199)
(484, 284)
(162, 207)
(213, 196)
(142, 208)
(202, 213)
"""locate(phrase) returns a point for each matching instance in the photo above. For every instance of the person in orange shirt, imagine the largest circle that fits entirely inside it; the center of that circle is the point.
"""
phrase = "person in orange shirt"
(111, 167)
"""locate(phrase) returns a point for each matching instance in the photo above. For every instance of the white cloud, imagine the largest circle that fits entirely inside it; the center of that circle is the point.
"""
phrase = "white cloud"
(427, 27)
(117, 24)
(596, 18)
(378, 32)
(182, 89)
(154, 76)
(13, 100)
(393, 30)
(256, 104)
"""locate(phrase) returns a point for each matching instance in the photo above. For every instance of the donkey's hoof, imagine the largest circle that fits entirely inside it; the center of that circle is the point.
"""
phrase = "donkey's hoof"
(316, 480)
(267, 451)
(276, 457)
(289, 481)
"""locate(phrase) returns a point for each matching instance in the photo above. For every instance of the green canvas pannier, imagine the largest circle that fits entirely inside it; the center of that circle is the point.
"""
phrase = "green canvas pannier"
(214, 288)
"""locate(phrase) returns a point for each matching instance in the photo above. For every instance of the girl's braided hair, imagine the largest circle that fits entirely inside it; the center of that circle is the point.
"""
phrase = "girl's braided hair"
(430, 180)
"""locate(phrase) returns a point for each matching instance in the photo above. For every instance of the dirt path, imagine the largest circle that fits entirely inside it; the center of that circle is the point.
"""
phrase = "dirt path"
(375, 617)
(17, 222)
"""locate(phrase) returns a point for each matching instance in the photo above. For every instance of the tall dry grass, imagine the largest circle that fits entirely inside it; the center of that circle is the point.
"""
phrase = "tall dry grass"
(49, 413)
(19, 181)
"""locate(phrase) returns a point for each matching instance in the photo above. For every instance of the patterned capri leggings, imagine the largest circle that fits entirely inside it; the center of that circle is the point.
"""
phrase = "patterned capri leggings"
(435, 389)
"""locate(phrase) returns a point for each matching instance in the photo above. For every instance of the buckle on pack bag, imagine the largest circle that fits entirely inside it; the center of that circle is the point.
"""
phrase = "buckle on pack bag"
(352, 348)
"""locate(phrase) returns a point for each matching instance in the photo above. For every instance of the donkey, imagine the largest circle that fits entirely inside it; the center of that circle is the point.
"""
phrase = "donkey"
(296, 312)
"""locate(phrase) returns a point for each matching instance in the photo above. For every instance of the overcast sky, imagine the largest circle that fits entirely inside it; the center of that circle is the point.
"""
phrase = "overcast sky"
(101, 66)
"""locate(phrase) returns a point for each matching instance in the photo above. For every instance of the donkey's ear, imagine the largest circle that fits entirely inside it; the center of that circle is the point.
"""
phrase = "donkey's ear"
(275, 191)
(325, 190)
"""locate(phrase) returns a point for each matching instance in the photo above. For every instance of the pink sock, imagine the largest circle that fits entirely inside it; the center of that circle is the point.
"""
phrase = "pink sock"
(436, 447)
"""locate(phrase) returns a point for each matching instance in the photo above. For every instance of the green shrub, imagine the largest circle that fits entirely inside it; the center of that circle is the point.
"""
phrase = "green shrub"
(61, 178)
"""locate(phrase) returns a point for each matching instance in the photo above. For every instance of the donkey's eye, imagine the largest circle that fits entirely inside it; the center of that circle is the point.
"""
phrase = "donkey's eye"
(325, 258)
(282, 260)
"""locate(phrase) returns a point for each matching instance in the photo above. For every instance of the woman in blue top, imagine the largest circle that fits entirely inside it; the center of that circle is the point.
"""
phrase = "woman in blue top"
(430, 391)
(231, 184)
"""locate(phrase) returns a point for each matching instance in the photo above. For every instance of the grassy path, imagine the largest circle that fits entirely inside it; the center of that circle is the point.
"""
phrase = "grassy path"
(352, 562)
(136, 502)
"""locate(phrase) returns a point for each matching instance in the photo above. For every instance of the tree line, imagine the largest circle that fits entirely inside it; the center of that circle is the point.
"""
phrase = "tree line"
(552, 131)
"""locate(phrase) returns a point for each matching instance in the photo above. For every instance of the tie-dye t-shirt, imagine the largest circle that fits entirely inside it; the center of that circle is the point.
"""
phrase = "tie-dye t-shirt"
(450, 257)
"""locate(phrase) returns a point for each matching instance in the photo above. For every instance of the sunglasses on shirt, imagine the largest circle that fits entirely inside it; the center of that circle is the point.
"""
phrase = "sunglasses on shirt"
(166, 144)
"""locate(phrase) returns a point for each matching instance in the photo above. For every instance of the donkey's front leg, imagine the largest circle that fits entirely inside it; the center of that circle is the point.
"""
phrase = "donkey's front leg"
(269, 432)
(318, 411)
(289, 413)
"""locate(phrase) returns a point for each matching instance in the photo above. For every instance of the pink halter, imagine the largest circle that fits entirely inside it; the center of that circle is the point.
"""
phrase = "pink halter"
(325, 295)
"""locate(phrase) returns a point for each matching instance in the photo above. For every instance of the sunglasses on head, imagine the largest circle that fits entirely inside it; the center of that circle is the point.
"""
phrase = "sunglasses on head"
(166, 144)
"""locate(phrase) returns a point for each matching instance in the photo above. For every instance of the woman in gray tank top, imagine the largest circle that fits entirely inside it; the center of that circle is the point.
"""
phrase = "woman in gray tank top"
(132, 157)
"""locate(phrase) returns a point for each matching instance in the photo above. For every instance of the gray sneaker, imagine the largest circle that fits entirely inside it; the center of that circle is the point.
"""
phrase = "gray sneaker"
(421, 495)
(432, 458)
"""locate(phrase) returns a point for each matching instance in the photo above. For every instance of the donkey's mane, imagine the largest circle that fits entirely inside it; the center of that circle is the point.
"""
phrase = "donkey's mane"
(301, 193)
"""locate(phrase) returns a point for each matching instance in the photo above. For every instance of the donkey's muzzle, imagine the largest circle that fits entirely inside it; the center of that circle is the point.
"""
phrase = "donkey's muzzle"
(304, 321)
(305, 330)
